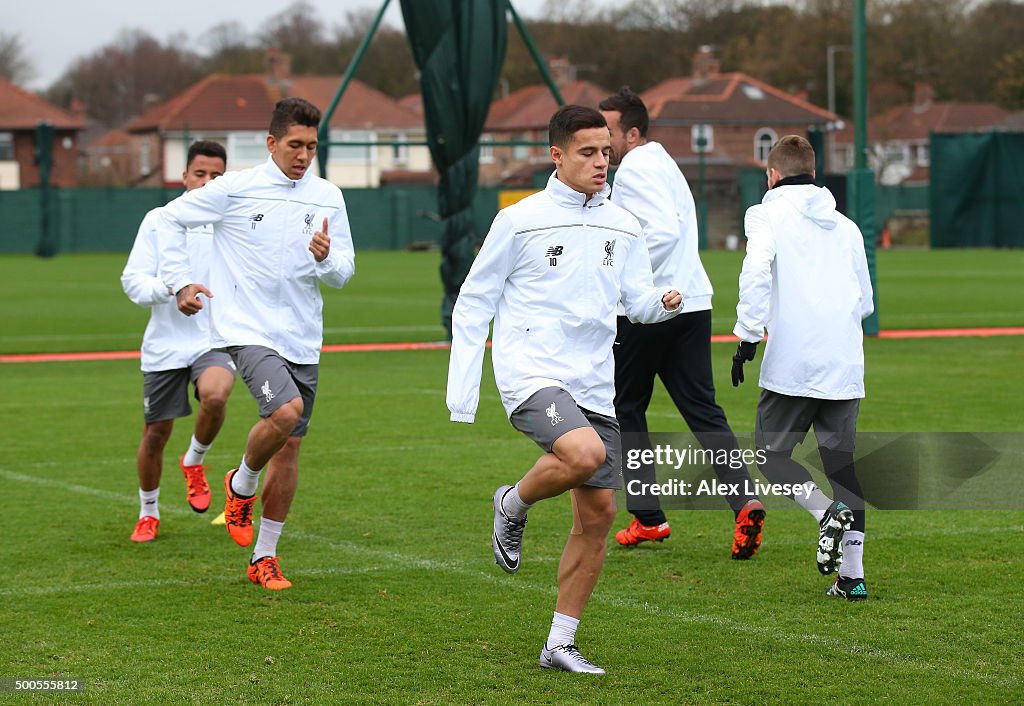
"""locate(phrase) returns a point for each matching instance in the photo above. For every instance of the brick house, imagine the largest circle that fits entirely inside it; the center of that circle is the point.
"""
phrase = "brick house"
(20, 113)
(898, 138)
(235, 110)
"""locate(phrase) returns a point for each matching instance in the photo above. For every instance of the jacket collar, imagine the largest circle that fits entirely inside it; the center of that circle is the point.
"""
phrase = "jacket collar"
(278, 177)
(568, 197)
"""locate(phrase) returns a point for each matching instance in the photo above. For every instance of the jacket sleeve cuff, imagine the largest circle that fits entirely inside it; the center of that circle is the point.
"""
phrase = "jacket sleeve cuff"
(465, 417)
(744, 334)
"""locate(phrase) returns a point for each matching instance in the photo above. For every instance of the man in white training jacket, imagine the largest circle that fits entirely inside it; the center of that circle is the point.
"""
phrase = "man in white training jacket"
(279, 231)
(176, 351)
(649, 184)
(550, 274)
(805, 278)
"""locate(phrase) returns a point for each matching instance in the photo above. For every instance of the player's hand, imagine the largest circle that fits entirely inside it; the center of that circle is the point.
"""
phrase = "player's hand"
(671, 300)
(188, 298)
(320, 245)
(744, 351)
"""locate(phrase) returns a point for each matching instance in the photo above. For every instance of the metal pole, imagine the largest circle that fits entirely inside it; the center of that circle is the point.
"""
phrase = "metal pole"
(860, 86)
(537, 58)
(702, 209)
(324, 133)
(831, 63)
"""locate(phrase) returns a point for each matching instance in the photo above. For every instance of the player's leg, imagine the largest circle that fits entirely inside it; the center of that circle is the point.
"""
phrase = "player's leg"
(638, 352)
(553, 420)
(213, 375)
(279, 487)
(269, 378)
(688, 377)
(835, 427)
(593, 508)
(165, 398)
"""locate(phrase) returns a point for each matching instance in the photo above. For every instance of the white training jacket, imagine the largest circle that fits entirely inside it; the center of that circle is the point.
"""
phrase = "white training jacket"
(650, 185)
(550, 274)
(172, 340)
(264, 279)
(805, 277)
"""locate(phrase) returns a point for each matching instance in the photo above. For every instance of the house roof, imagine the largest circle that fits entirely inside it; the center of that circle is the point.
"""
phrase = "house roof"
(910, 122)
(733, 97)
(21, 110)
(531, 107)
(245, 102)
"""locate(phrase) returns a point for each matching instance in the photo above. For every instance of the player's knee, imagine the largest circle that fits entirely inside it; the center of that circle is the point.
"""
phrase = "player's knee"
(155, 436)
(215, 399)
(287, 416)
(584, 460)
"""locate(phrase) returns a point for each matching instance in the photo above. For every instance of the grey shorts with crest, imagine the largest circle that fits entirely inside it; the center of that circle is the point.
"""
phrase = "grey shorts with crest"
(783, 421)
(274, 381)
(551, 412)
(165, 392)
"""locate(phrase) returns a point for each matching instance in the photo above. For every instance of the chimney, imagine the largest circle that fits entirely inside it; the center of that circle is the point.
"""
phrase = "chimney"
(705, 65)
(562, 70)
(279, 68)
(924, 93)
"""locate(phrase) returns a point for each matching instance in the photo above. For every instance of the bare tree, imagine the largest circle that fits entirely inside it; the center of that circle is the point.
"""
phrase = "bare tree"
(15, 66)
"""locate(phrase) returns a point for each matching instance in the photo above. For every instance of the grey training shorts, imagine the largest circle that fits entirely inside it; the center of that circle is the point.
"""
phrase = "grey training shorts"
(274, 381)
(551, 412)
(165, 392)
(783, 421)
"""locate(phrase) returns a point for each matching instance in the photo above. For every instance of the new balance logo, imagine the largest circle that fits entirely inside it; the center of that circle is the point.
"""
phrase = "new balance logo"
(553, 253)
(609, 253)
(854, 542)
(265, 390)
(553, 414)
(254, 219)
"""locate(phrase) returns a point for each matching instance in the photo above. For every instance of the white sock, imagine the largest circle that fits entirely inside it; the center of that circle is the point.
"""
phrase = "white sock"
(149, 503)
(266, 541)
(817, 503)
(196, 452)
(563, 630)
(853, 555)
(512, 504)
(245, 481)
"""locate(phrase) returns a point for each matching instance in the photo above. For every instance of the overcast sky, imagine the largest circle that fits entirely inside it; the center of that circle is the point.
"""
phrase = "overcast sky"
(56, 32)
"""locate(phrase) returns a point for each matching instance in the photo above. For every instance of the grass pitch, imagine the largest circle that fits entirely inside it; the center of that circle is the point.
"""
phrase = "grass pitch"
(396, 596)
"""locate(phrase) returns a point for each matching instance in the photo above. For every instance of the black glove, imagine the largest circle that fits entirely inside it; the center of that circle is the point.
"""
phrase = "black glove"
(744, 351)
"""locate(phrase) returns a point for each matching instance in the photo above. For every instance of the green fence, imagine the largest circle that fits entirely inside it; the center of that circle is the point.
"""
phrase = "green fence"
(106, 220)
(976, 186)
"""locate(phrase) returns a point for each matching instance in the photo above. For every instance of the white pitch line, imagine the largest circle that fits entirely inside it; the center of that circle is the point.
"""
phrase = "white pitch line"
(399, 560)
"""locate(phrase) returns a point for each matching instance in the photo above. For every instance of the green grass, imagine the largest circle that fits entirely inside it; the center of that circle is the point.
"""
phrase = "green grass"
(396, 597)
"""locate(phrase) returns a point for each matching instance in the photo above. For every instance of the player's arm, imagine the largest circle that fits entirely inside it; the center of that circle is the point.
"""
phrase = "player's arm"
(643, 301)
(332, 249)
(860, 265)
(140, 278)
(192, 209)
(644, 194)
(474, 310)
(755, 277)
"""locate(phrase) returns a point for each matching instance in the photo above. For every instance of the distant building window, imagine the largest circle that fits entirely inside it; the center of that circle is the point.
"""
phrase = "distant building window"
(247, 149)
(363, 153)
(486, 149)
(144, 157)
(400, 150)
(521, 152)
(763, 141)
(6, 146)
(922, 156)
(896, 153)
(753, 92)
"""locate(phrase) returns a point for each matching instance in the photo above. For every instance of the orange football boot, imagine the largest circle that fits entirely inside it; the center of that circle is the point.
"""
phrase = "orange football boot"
(636, 533)
(746, 539)
(146, 529)
(237, 513)
(267, 573)
(196, 487)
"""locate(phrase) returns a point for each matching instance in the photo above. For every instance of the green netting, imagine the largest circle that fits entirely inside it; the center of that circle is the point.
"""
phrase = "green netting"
(976, 186)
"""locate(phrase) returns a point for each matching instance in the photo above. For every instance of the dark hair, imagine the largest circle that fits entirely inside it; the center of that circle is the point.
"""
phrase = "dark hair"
(207, 148)
(570, 119)
(631, 108)
(792, 155)
(293, 111)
